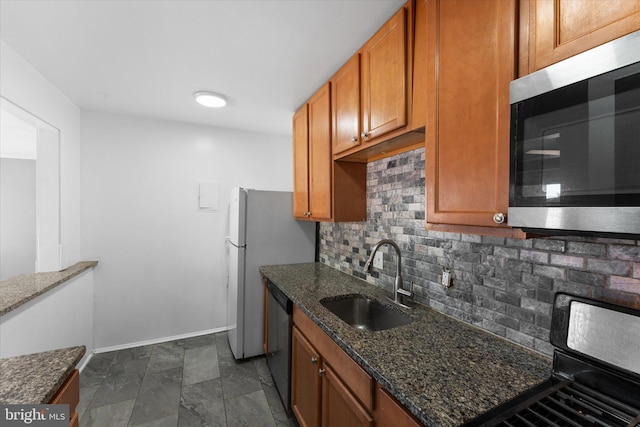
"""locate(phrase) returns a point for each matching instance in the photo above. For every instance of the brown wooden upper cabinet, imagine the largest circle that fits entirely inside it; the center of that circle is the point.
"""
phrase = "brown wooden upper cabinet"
(372, 93)
(323, 190)
(301, 162)
(346, 106)
(558, 29)
(471, 58)
(384, 79)
(312, 157)
(370, 90)
(365, 112)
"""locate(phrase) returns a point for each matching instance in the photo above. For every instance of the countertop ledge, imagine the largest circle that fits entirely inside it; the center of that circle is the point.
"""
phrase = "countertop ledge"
(444, 371)
(19, 290)
(35, 378)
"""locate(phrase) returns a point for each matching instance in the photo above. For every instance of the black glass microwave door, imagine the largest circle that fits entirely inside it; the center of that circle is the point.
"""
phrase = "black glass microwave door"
(627, 131)
(579, 145)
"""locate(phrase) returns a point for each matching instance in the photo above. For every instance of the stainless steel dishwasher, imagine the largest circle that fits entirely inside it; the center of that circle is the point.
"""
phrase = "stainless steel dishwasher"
(279, 319)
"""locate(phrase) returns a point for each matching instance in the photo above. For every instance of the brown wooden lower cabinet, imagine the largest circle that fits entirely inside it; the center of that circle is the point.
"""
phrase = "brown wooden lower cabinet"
(69, 394)
(329, 389)
(339, 406)
(391, 413)
(305, 381)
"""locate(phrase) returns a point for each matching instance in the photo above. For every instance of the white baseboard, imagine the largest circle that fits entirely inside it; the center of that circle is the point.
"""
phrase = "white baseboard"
(153, 341)
(84, 361)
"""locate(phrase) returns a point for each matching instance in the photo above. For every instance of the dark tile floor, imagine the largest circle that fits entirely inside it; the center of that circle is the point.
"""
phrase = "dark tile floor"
(190, 382)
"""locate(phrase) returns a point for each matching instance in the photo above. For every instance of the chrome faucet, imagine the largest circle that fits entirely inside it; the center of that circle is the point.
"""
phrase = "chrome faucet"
(399, 293)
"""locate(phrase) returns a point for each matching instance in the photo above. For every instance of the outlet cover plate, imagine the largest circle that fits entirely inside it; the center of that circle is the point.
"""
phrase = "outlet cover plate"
(378, 260)
(446, 277)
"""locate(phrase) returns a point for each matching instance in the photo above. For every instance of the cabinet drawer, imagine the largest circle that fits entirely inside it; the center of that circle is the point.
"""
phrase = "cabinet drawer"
(69, 393)
(357, 380)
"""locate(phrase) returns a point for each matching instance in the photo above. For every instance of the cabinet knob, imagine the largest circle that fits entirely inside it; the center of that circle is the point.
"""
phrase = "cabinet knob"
(314, 360)
(499, 218)
(321, 371)
(365, 135)
(354, 139)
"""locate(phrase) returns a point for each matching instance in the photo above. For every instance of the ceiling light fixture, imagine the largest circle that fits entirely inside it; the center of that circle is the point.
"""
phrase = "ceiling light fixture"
(210, 99)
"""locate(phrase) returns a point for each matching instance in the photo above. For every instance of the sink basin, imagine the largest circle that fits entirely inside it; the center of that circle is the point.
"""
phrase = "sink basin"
(362, 312)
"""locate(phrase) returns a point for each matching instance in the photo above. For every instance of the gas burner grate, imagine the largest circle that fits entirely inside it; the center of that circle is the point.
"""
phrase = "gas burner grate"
(572, 404)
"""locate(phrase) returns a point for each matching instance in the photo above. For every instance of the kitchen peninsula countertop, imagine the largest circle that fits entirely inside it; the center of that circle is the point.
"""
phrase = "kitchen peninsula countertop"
(21, 289)
(444, 371)
(35, 378)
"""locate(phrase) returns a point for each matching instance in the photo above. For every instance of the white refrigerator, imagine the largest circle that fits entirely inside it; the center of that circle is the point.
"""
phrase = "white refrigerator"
(262, 231)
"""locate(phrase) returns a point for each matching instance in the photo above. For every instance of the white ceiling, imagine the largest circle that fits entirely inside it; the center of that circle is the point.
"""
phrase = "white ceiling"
(147, 57)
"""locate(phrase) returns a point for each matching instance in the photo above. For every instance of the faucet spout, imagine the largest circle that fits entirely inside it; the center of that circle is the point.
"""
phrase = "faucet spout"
(399, 293)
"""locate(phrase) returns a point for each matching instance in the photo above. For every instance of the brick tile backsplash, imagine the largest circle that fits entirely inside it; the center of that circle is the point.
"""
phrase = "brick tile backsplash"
(505, 286)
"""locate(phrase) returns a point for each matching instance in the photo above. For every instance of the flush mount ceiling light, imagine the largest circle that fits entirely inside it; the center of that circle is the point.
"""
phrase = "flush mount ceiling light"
(210, 99)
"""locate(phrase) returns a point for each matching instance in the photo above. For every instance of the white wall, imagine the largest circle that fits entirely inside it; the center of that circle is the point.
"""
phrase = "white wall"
(162, 263)
(57, 319)
(17, 217)
(23, 85)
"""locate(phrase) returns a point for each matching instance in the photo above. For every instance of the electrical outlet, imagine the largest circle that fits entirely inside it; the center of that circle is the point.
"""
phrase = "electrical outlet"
(446, 277)
(378, 260)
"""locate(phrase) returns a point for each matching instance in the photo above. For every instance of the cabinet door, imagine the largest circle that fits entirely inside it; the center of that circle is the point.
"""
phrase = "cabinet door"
(390, 413)
(384, 85)
(471, 60)
(69, 394)
(301, 162)
(559, 29)
(320, 160)
(339, 406)
(305, 381)
(345, 103)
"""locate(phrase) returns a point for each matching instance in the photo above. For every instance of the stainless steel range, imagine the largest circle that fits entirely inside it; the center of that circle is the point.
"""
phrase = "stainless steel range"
(596, 371)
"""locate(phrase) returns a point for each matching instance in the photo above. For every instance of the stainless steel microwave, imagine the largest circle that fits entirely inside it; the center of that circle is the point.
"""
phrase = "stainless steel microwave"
(575, 144)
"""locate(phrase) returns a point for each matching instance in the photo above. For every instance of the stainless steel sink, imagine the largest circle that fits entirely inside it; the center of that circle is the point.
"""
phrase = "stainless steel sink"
(362, 312)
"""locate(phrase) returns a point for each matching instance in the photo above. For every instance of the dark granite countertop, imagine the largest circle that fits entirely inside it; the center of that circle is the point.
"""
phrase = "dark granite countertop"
(444, 371)
(35, 378)
(21, 289)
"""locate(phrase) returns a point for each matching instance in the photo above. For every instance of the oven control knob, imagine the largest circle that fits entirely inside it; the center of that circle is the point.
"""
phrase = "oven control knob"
(499, 218)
